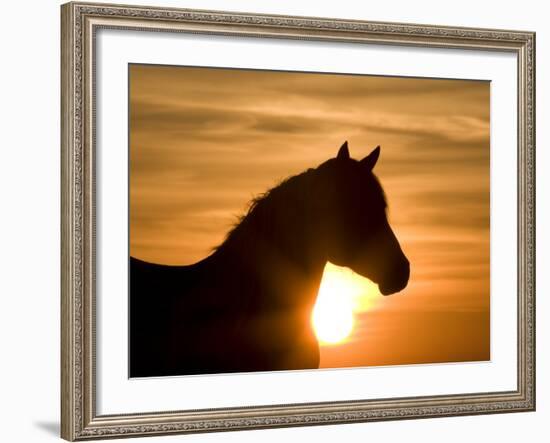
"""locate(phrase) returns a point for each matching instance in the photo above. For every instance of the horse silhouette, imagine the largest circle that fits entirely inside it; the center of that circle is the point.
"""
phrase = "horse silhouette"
(247, 306)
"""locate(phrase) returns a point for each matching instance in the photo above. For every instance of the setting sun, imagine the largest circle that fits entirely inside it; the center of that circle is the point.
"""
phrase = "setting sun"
(342, 292)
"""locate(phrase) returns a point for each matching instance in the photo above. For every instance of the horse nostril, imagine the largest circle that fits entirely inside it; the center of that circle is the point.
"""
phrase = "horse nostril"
(397, 279)
(407, 270)
(404, 273)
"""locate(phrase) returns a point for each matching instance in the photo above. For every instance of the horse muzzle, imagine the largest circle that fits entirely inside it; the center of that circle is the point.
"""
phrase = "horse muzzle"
(396, 280)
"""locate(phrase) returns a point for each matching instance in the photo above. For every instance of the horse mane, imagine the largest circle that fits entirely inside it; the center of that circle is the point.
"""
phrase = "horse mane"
(263, 208)
(264, 203)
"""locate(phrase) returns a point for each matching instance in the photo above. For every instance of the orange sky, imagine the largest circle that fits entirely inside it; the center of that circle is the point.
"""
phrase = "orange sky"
(204, 141)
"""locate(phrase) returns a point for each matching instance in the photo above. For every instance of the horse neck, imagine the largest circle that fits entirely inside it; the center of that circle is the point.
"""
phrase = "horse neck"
(278, 240)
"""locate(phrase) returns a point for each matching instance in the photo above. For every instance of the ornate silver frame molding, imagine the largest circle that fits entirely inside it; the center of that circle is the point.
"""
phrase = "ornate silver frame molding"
(79, 24)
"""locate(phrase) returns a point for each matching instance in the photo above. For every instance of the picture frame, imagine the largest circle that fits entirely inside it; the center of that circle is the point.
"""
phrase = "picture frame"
(81, 23)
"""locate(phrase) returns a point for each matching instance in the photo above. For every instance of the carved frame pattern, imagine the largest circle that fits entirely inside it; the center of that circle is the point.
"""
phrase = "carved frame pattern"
(79, 24)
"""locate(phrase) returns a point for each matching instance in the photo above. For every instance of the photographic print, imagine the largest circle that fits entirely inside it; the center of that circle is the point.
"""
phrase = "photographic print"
(297, 220)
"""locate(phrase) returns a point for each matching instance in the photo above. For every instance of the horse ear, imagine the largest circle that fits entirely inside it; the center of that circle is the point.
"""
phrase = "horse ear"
(370, 160)
(343, 152)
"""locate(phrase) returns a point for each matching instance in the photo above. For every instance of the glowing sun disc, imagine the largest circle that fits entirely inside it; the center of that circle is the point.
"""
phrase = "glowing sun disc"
(332, 322)
(342, 294)
(332, 316)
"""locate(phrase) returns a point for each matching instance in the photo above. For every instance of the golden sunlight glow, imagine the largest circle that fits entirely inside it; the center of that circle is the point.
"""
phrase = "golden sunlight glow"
(342, 292)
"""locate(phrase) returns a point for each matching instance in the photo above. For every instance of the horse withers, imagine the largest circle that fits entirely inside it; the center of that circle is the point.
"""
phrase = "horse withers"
(247, 307)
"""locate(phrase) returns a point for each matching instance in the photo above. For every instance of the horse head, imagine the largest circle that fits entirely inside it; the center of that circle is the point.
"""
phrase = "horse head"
(354, 228)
